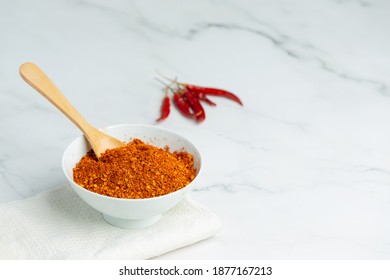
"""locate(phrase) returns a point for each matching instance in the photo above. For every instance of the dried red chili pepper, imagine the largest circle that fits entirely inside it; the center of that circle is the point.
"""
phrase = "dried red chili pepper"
(187, 97)
(165, 108)
(182, 104)
(214, 91)
(195, 105)
(204, 98)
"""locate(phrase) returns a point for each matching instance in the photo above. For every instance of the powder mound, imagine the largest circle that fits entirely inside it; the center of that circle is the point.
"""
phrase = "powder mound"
(137, 170)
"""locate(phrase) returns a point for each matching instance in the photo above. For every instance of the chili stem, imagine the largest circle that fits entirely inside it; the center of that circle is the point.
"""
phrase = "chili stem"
(161, 81)
(169, 79)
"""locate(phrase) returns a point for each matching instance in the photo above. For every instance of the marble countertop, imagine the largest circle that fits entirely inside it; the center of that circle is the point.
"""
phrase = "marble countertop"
(302, 171)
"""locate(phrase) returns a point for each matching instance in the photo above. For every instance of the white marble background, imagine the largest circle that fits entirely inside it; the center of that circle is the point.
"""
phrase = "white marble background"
(302, 171)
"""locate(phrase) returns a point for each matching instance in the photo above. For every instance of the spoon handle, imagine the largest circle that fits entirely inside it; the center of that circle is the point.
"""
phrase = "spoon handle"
(37, 79)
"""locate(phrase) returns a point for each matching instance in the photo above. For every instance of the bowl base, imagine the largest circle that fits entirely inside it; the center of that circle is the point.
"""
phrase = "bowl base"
(131, 224)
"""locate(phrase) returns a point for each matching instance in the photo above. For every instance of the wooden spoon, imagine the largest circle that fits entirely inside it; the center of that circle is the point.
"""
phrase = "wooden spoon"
(35, 77)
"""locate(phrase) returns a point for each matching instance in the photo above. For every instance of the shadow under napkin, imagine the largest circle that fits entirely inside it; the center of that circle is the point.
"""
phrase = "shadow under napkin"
(59, 225)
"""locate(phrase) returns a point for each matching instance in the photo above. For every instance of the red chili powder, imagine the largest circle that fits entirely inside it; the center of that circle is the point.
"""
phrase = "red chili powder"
(137, 170)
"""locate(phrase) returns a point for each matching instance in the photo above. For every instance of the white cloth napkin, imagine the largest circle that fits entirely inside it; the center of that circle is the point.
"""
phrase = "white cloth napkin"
(59, 225)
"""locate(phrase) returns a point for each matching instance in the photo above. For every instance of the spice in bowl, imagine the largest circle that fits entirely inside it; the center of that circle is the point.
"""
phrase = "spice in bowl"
(137, 170)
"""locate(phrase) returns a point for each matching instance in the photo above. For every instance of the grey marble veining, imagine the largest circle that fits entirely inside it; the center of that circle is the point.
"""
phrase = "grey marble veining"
(302, 171)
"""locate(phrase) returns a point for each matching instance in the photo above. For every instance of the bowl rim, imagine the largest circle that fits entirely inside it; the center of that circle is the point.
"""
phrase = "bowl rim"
(71, 181)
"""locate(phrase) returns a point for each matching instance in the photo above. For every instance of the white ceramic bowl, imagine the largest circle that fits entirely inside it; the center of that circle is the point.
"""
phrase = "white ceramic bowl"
(131, 213)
